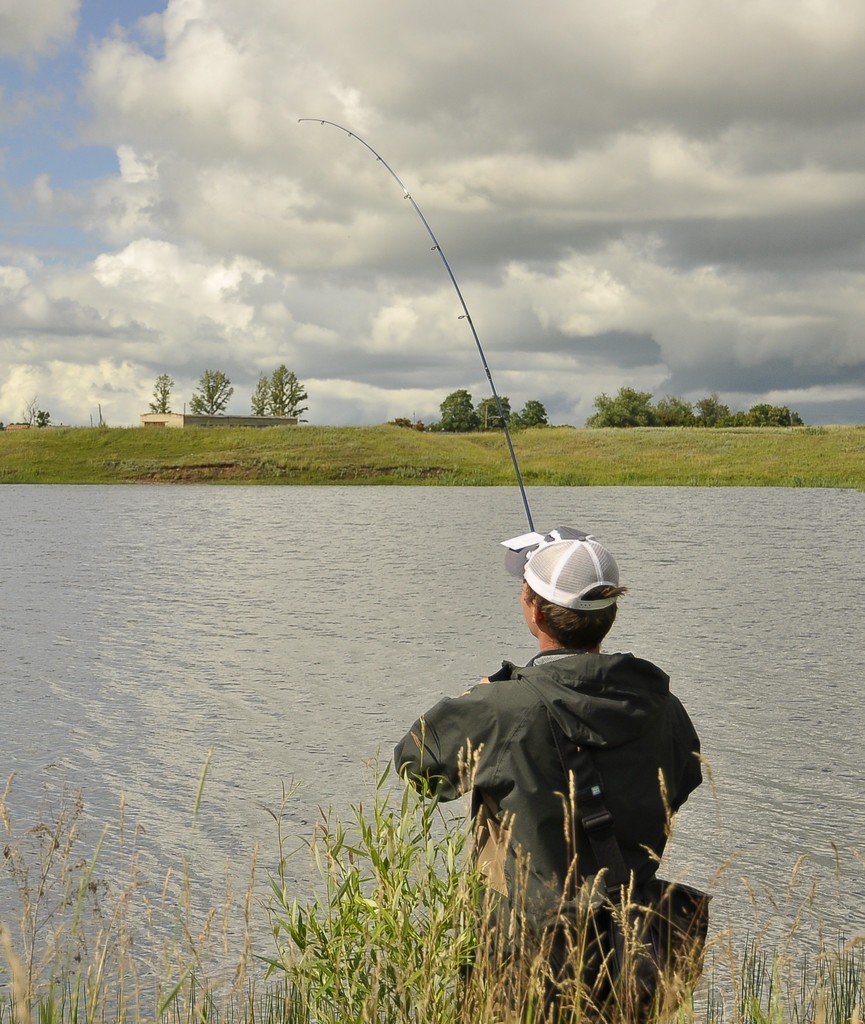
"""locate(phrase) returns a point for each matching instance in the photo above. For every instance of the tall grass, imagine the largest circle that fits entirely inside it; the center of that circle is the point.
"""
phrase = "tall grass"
(393, 927)
(84, 937)
(392, 918)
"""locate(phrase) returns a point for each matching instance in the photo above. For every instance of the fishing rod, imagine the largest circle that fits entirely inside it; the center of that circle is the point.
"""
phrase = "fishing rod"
(466, 315)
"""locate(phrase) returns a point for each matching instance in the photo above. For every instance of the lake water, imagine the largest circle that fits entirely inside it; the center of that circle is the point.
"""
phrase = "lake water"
(297, 632)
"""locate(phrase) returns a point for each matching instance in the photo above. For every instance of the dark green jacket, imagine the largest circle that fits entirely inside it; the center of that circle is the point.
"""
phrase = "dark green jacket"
(618, 706)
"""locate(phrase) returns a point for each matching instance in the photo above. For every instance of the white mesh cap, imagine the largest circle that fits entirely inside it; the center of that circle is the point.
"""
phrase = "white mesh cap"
(566, 570)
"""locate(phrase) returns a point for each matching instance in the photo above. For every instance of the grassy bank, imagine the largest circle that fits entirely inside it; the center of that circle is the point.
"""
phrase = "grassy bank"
(555, 456)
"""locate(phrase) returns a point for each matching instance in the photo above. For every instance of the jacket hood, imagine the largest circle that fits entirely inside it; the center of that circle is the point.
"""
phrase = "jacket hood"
(602, 700)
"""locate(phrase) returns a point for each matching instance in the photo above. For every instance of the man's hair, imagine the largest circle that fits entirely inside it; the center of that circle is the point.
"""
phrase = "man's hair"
(576, 629)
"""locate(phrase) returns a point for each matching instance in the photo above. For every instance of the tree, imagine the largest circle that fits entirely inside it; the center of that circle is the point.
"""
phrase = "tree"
(296, 395)
(214, 391)
(406, 423)
(260, 403)
(458, 412)
(629, 408)
(488, 413)
(30, 410)
(533, 415)
(672, 411)
(711, 411)
(43, 418)
(286, 393)
(765, 415)
(162, 394)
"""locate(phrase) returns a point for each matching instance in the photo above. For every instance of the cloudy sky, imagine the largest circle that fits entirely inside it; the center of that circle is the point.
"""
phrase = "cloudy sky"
(664, 194)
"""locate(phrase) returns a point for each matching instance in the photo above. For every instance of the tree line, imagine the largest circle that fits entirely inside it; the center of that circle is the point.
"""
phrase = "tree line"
(279, 394)
(631, 408)
(460, 415)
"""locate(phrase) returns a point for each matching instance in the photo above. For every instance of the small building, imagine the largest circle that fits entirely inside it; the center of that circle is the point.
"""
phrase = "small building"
(182, 419)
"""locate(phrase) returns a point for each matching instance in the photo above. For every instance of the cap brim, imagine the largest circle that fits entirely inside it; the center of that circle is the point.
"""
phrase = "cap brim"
(519, 549)
(522, 547)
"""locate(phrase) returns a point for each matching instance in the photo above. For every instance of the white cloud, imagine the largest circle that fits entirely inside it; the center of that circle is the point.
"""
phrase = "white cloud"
(28, 29)
(657, 194)
(136, 168)
(342, 402)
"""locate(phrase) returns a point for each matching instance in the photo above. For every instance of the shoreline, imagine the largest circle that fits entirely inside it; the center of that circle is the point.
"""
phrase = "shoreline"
(831, 457)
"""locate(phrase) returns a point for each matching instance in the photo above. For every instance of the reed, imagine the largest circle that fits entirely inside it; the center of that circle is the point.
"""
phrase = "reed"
(392, 918)
(84, 939)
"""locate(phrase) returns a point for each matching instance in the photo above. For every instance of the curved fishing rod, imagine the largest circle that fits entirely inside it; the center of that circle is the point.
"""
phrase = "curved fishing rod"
(466, 315)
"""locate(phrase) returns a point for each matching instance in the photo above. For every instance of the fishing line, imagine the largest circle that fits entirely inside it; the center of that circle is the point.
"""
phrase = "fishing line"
(466, 315)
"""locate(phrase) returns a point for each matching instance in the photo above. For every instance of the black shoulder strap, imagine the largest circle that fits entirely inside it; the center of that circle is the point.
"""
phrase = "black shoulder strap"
(595, 818)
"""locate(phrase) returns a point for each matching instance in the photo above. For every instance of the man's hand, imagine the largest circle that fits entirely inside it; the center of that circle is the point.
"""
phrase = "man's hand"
(481, 682)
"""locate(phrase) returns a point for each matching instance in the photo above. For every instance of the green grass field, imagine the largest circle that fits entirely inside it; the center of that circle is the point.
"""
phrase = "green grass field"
(553, 456)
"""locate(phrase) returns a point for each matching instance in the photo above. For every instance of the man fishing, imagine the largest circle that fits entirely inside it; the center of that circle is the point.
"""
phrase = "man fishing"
(512, 740)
